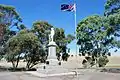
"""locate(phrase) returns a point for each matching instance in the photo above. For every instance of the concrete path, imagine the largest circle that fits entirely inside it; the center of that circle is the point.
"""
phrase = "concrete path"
(86, 76)
(37, 74)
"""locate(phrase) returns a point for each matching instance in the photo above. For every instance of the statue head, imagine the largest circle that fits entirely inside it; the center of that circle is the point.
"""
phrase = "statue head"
(52, 28)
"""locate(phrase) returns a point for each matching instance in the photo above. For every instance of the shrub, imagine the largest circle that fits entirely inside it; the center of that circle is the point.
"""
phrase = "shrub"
(102, 61)
(84, 63)
(88, 62)
(79, 54)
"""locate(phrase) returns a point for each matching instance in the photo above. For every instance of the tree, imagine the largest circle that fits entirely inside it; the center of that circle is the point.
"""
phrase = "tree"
(95, 30)
(62, 41)
(26, 43)
(112, 7)
(42, 30)
(8, 18)
(112, 15)
(8, 15)
(92, 35)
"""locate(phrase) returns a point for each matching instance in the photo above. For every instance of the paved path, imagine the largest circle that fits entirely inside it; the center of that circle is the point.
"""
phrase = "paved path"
(86, 76)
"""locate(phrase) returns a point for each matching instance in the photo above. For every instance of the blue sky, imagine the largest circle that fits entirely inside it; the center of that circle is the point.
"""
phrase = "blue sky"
(49, 10)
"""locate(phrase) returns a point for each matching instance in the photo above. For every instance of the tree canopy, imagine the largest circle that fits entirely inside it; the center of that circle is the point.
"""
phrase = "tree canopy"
(112, 15)
(8, 15)
(112, 6)
(97, 34)
(91, 33)
(27, 45)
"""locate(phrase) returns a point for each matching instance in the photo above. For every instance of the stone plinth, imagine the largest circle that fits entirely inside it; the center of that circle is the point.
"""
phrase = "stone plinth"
(53, 70)
(52, 50)
(52, 58)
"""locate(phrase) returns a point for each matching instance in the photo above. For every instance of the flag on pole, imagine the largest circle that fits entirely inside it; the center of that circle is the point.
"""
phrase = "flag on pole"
(68, 7)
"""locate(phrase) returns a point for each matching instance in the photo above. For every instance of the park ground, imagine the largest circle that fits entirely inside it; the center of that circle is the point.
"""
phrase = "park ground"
(73, 62)
(82, 76)
(85, 74)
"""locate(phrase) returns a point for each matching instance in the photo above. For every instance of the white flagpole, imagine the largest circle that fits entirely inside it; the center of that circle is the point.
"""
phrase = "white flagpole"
(75, 35)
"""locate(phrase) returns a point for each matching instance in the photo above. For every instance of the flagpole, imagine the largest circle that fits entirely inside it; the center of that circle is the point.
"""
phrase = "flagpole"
(75, 35)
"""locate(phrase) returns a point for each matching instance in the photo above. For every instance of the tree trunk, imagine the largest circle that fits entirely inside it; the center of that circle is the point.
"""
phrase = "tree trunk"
(13, 64)
(17, 61)
(28, 65)
(1, 31)
(33, 65)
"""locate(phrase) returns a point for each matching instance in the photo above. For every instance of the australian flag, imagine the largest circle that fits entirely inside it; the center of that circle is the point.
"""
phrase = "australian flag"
(68, 7)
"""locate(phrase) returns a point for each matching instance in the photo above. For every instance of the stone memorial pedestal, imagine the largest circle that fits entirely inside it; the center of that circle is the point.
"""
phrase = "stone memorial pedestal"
(53, 67)
(52, 58)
